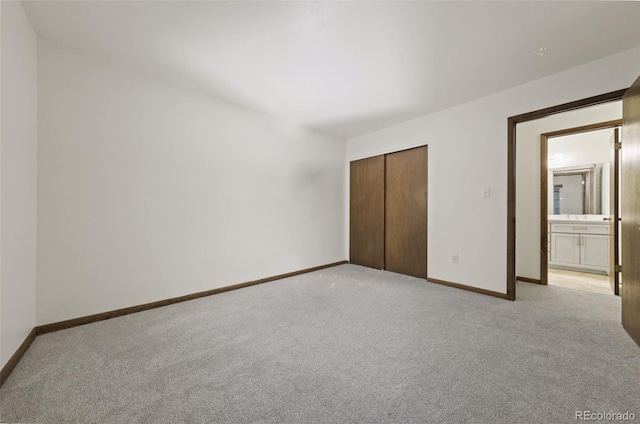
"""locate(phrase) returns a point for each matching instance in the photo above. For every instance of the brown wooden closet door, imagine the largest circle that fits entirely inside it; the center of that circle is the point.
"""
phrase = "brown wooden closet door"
(406, 212)
(366, 246)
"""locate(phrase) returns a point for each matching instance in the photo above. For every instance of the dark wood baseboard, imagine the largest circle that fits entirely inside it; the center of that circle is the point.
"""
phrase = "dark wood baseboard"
(469, 288)
(529, 280)
(61, 325)
(48, 328)
(15, 358)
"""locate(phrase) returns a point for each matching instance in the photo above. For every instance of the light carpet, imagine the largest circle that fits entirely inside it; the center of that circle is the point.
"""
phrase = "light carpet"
(342, 345)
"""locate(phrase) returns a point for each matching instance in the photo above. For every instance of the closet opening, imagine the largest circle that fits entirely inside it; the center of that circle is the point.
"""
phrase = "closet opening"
(388, 212)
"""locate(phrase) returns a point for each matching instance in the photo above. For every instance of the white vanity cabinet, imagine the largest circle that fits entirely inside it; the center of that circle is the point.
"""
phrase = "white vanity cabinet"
(565, 248)
(579, 246)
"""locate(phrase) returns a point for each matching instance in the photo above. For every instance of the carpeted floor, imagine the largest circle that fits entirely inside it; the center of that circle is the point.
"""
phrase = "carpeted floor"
(342, 345)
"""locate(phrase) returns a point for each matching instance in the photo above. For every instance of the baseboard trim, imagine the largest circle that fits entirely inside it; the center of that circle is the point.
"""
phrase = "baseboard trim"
(529, 280)
(469, 288)
(15, 358)
(48, 328)
(61, 325)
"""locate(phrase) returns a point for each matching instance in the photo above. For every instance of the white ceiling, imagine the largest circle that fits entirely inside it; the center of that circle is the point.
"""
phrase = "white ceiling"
(343, 68)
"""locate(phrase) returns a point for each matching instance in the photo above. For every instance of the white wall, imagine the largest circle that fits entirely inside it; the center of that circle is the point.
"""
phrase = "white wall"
(18, 179)
(583, 148)
(468, 151)
(528, 175)
(148, 191)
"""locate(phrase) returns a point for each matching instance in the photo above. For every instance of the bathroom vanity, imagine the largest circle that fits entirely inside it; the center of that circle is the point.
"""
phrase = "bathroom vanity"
(579, 244)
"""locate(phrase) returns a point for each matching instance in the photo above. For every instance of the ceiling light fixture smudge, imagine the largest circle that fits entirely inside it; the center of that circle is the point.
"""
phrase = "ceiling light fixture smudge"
(538, 52)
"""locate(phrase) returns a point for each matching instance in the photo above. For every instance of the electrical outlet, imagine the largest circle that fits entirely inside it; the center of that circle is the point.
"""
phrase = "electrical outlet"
(486, 192)
(454, 258)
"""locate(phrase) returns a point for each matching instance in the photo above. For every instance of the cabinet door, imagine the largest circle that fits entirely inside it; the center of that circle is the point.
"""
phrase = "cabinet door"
(594, 250)
(565, 248)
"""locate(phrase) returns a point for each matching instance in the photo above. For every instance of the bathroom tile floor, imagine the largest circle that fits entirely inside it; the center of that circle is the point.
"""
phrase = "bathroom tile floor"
(580, 280)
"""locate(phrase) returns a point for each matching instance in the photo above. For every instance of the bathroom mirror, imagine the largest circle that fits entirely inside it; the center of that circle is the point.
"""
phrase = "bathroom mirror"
(578, 178)
(578, 190)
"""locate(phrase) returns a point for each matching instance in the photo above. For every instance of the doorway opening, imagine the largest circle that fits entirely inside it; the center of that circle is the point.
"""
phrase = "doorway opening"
(512, 122)
(580, 207)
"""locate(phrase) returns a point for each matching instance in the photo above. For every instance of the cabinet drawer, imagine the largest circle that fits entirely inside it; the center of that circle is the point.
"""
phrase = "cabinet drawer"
(579, 228)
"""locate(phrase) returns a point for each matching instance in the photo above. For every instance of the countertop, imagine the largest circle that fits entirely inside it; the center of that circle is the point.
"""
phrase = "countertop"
(590, 219)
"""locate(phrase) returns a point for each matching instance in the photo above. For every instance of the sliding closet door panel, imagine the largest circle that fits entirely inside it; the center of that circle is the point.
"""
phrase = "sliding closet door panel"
(406, 212)
(367, 212)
